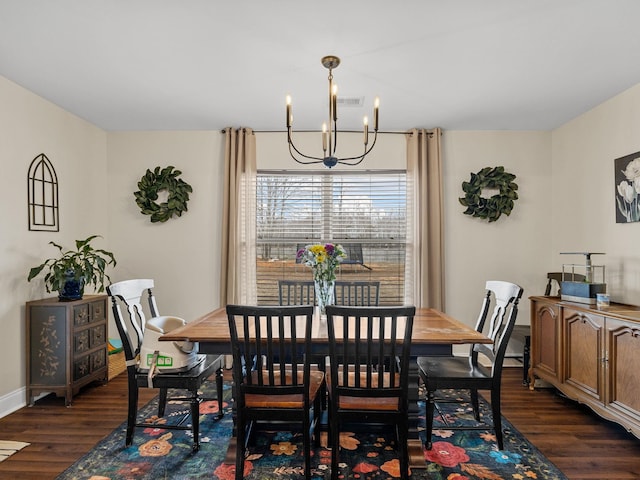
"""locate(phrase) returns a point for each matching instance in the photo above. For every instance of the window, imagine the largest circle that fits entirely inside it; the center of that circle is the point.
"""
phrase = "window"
(366, 212)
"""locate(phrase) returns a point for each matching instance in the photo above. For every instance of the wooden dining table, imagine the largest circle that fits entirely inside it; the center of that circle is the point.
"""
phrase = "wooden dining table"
(434, 333)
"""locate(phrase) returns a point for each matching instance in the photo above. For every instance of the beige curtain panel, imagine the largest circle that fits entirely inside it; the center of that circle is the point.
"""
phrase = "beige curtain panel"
(238, 271)
(424, 180)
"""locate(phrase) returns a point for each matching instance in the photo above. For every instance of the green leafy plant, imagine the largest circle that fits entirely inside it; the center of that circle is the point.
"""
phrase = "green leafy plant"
(85, 264)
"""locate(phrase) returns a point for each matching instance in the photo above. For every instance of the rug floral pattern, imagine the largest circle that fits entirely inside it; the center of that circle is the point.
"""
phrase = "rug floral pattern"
(161, 453)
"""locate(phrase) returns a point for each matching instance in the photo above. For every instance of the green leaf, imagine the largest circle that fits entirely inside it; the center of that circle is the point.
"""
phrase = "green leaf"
(489, 208)
(162, 179)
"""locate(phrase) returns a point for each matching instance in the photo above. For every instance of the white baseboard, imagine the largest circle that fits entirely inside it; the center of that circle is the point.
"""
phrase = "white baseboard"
(12, 401)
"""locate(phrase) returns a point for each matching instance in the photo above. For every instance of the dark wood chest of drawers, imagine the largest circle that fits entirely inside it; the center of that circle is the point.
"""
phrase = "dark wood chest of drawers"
(66, 345)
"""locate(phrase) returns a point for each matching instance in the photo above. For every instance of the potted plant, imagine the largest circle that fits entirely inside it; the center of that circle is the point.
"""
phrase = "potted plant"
(73, 269)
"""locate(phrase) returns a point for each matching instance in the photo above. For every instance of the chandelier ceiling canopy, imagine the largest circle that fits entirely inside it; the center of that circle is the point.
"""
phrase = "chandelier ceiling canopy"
(330, 128)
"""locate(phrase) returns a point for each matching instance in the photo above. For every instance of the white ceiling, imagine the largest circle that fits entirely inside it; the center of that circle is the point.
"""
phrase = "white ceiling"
(208, 64)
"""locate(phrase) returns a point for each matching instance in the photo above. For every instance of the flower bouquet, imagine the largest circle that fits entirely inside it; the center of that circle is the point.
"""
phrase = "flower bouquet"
(323, 260)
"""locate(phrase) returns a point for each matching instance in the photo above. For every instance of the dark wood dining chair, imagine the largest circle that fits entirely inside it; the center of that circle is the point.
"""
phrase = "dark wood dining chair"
(469, 373)
(369, 372)
(274, 381)
(186, 381)
(559, 277)
(357, 293)
(296, 292)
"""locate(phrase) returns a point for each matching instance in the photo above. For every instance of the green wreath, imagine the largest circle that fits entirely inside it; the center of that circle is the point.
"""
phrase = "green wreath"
(154, 182)
(489, 208)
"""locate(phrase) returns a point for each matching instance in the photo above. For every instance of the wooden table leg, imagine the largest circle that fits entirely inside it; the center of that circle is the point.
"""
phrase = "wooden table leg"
(414, 444)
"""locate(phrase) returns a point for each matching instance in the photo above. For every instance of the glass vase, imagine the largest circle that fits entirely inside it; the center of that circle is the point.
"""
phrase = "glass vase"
(325, 291)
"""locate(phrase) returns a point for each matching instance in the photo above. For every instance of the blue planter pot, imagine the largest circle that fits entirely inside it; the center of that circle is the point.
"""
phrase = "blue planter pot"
(73, 288)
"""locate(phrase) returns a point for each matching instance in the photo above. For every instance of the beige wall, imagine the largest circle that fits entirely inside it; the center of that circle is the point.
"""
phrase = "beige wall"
(511, 248)
(566, 202)
(583, 186)
(30, 126)
(182, 253)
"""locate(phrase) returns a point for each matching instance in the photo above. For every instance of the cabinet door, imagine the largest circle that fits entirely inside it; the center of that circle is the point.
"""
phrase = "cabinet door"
(545, 340)
(584, 344)
(98, 311)
(48, 347)
(97, 335)
(81, 368)
(81, 341)
(623, 379)
(81, 314)
(97, 360)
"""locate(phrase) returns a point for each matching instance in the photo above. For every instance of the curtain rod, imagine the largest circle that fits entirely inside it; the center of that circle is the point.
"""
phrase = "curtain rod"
(224, 130)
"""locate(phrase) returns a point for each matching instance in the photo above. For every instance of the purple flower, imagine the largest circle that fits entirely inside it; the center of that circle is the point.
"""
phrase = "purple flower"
(329, 248)
(300, 253)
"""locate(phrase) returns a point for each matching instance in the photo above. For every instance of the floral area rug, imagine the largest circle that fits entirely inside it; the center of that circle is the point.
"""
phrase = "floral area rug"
(166, 454)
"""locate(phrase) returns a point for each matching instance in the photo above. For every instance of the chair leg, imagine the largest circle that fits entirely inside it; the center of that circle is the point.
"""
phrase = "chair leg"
(306, 445)
(240, 446)
(334, 435)
(403, 435)
(497, 416)
(475, 404)
(162, 401)
(195, 420)
(317, 405)
(219, 391)
(322, 366)
(329, 424)
(132, 411)
(431, 402)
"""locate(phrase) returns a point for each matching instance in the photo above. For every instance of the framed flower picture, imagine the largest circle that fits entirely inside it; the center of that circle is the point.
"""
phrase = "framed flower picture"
(627, 178)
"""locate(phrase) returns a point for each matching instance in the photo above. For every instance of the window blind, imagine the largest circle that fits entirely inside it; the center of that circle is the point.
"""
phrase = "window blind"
(335, 207)
(367, 209)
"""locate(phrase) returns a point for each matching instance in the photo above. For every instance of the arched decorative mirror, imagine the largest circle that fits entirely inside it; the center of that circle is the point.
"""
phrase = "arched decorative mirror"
(44, 209)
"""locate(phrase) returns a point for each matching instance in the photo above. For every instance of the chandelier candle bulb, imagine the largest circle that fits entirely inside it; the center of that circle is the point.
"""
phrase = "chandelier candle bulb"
(376, 104)
(289, 117)
(325, 137)
(365, 120)
(334, 102)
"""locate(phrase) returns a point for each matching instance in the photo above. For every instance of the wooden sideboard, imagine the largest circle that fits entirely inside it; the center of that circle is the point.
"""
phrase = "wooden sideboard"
(66, 345)
(591, 355)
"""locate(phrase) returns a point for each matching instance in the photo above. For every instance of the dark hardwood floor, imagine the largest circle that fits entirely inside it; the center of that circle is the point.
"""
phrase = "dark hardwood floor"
(581, 444)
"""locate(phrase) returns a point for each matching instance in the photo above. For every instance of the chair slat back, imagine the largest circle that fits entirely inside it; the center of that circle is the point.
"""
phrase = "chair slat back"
(357, 293)
(364, 343)
(296, 292)
(504, 297)
(270, 347)
(129, 294)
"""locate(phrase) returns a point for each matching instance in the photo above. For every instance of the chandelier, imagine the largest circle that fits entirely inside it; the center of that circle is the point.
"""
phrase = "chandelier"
(330, 128)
